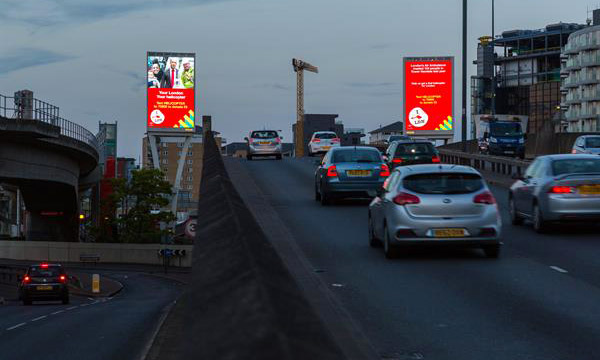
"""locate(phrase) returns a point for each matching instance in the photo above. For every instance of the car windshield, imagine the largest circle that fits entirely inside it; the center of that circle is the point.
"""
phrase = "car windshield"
(415, 149)
(325, 135)
(592, 142)
(51, 271)
(575, 166)
(266, 134)
(443, 183)
(356, 155)
(505, 129)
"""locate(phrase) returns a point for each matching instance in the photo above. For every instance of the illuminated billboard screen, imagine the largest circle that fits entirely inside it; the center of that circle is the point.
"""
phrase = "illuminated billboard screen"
(171, 90)
(428, 96)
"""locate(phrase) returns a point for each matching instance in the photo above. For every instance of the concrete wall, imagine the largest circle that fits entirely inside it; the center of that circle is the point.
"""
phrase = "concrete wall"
(109, 252)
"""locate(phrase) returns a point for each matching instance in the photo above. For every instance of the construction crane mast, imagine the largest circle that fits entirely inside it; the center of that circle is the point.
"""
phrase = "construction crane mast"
(299, 67)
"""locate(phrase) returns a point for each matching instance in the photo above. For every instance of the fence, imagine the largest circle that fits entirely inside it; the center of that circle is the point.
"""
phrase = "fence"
(29, 108)
(500, 166)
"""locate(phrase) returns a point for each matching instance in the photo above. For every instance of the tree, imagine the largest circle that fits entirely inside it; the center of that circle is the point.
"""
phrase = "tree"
(141, 200)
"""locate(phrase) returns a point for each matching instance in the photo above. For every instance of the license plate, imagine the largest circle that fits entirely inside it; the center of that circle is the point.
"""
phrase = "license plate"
(445, 233)
(358, 172)
(326, 147)
(509, 152)
(43, 287)
(589, 189)
(264, 143)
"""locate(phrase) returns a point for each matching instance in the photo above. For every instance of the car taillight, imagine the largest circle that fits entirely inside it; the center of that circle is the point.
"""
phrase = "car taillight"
(332, 171)
(44, 266)
(251, 140)
(573, 151)
(278, 140)
(397, 160)
(335, 140)
(561, 190)
(316, 140)
(435, 159)
(26, 279)
(385, 171)
(484, 198)
(406, 199)
(63, 278)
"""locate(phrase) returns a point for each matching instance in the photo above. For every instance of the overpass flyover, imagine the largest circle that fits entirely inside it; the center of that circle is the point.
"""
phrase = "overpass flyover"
(50, 160)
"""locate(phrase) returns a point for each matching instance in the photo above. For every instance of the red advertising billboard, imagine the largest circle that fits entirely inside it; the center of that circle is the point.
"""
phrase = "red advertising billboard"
(171, 90)
(428, 96)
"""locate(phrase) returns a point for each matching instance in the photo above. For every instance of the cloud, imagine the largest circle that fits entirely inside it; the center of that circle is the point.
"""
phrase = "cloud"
(43, 13)
(22, 58)
(276, 86)
(370, 84)
(380, 46)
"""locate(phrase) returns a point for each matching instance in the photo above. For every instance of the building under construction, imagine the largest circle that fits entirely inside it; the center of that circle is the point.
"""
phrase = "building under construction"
(527, 80)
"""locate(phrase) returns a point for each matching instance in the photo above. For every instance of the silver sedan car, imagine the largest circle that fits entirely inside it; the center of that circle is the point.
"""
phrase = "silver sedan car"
(435, 205)
(557, 188)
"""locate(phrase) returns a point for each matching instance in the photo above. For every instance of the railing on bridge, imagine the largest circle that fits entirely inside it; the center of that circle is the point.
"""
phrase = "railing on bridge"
(33, 109)
(500, 166)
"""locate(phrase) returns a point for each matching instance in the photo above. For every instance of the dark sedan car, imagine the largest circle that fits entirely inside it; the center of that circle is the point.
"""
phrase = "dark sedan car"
(344, 172)
(44, 282)
(401, 153)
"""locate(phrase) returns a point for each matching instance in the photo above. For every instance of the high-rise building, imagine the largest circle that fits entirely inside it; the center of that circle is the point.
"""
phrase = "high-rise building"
(581, 83)
(107, 143)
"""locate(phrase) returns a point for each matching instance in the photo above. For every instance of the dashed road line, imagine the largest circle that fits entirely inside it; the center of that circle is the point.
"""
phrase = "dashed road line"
(82, 305)
(71, 308)
(560, 270)
(57, 312)
(16, 326)
(39, 318)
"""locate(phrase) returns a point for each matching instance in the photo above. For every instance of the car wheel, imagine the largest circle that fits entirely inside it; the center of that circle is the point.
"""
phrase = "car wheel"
(539, 225)
(373, 240)
(27, 301)
(515, 219)
(249, 157)
(65, 299)
(492, 251)
(324, 198)
(389, 250)
(279, 157)
(317, 194)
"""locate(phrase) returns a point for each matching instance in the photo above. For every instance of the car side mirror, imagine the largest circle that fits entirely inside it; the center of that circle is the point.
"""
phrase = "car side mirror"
(385, 158)
(281, 137)
(246, 138)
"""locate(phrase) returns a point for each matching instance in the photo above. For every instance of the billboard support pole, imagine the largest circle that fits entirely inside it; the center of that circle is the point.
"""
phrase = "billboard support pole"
(155, 159)
(180, 165)
(463, 125)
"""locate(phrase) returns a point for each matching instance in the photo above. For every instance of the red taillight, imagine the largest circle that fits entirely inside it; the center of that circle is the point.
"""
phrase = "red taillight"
(335, 140)
(26, 279)
(316, 140)
(385, 170)
(406, 199)
(573, 151)
(397, 160)
(278, 140)
(251, 140)
(332, 171)
(561, 190)
(44, 266)
(63, 278)
(485, 198)
(435, 159)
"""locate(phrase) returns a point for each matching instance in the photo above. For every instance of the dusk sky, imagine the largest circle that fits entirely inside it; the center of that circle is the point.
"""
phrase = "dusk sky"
(88, 57)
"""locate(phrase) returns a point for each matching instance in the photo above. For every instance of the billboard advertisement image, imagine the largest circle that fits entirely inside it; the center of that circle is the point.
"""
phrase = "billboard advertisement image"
(171, 91)
(428, 96)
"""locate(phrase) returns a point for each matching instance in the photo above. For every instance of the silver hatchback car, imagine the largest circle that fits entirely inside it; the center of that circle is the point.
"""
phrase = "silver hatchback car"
(557, 188)
(264, 143)
(435, 205)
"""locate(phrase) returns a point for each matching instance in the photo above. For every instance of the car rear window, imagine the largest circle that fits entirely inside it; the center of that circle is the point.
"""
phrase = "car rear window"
(325, 135)
(415, 149)
(575, 166)
(398, 137)
(356, 155)
(443, 183)
(51, 271)
(593, 142)
(266, 134)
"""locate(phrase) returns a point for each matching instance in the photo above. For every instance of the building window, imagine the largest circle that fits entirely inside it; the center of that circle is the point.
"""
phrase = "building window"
(190, 187)
(190, 170)
(165, 161)
(190, 178)
(165, 152)
(190, 161)
(190, 153)
(179, 145)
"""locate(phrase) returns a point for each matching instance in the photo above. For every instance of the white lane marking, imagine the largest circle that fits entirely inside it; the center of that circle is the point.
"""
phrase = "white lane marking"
(57, 312)
(560, 270)
(16, 326)
(39, 318)
(82, 305)
(71, 308)
(91, 298)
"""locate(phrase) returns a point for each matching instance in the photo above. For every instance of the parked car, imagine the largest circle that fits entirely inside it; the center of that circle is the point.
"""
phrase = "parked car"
(323, 141)
(44, 282)
(349, 171)
(412, 152)
(263, 143)
(439, 205)
(557, 188)
(587, 144)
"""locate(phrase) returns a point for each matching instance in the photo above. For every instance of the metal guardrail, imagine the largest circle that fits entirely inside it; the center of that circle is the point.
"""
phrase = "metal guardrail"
(34, 109)
(10, 274)
(498, 165)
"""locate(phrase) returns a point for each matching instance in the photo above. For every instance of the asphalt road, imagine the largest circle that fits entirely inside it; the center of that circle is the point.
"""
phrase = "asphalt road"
(102, 328)
(538, 301)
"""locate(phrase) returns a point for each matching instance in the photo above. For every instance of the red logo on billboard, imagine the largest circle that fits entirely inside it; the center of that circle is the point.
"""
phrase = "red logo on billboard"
(428, 95)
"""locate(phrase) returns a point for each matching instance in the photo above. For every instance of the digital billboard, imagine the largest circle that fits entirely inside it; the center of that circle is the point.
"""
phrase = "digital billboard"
(428, 96)
(171, 91)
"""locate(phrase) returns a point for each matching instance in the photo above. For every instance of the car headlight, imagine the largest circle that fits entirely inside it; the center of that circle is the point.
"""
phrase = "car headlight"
(521, 141)
(493, 139)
